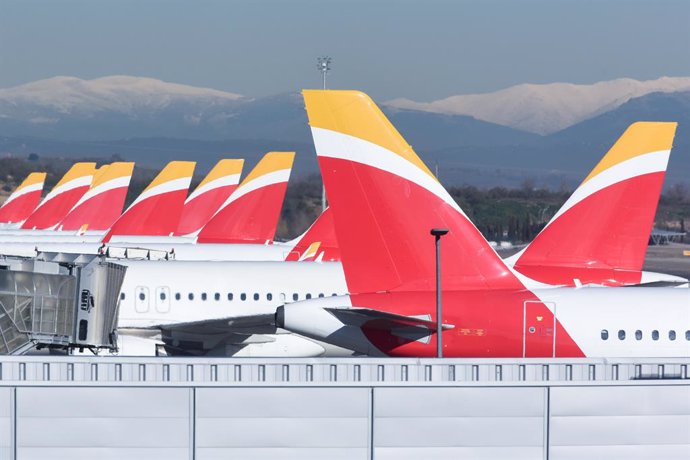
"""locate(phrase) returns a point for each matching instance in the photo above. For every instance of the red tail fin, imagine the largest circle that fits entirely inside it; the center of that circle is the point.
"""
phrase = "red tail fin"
(101, 206)
(318, 242)
(607, 221)
(385, 201)
(251, 213)
(22, 202)
(62, 198)
(157, 210)
(209, 195)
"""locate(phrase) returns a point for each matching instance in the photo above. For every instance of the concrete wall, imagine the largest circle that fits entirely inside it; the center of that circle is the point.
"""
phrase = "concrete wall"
(167, 416)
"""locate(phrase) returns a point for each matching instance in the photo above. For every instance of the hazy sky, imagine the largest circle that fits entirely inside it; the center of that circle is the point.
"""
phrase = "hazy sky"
(423, 50)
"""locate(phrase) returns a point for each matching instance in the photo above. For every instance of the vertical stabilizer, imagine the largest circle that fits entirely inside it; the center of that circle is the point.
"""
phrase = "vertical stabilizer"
(251, 213)
(209, 195)
(102, 204)
(62, 197)
(157, 210)
(607, 221)
(22, 202)
(385, 201)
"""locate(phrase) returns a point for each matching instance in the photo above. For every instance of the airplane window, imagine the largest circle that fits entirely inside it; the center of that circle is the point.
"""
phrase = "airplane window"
(269, 296)
(190, 296)
(142, 296)
(604, 334)
(230, 296)
(256, 296)
(243, 296)
(177, 296)
(621, 334)
(672, 335)
(687, 335)
(638, 335)
(122, 296)
(203, 296)
(321, 294)
(308, 296)
(334, 295)
(217, 296)
(162, 295)
(295, 296)
(655, 335)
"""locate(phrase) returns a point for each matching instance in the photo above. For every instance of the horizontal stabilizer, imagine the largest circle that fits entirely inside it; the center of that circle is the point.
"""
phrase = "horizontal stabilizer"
(375, 319)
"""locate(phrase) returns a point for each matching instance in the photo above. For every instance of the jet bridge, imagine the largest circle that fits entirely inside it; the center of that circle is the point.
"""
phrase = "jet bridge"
(58, 301)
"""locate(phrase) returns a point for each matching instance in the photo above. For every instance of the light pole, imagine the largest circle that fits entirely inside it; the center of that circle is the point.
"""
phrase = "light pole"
(323, 64)
(438, 233)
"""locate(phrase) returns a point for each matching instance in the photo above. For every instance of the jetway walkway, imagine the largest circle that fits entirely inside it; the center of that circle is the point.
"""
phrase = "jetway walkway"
(356, 408)
(58, 301)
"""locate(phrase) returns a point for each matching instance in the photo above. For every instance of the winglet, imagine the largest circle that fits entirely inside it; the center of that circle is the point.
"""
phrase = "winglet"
(22, 202)
(157, 210)
(251, 213)
(102, 204)
(209, 195)
(607, 221)
(375, 179)
(62, 197)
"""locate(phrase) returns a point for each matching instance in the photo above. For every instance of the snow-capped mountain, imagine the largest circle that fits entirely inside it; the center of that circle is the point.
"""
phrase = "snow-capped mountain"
(546, 108)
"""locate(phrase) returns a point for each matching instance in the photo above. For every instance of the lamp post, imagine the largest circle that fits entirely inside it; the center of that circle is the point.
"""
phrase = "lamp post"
(323, 64)
(438, 233)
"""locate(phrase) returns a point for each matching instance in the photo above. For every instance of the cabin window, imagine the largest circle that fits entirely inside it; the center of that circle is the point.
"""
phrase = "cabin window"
(321, 294)
(687, 335)
(230, 296)
(334, 295)
(190, 296)
(162, 295)
(604, 334)
(217, 296)
(177, 296)
(621, 334)
(243, 296)
(122, 296)
(203, 296)
(638, 335)
(308, 296)
(269, 296)
(672, 335)
(256, 296)
(142, 296)
(295, 296)
(655, 335)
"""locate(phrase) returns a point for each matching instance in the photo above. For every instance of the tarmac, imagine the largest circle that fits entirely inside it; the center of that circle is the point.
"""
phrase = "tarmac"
(669, 259)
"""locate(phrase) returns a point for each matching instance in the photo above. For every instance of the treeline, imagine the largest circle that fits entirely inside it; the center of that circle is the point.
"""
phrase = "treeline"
(501, 214)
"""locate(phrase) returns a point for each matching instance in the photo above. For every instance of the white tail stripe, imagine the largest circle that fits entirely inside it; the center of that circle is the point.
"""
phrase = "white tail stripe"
(174, 185)
(83, 181)
(274, 177)
(37, 187)
(224, 181)
(334, 144)
(106, 186)
(643, 164)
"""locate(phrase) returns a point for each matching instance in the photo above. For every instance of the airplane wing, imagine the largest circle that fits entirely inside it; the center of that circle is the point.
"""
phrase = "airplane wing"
(255, 324)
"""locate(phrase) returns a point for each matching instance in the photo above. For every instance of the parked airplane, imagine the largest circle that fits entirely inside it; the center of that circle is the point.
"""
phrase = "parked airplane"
(600, 235)
(22, 202)
(374, 178)
(62, 197)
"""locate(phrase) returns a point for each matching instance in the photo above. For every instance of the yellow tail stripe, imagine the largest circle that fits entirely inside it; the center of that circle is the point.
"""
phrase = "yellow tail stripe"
(223, 168)
(271, 162)
(173, 170)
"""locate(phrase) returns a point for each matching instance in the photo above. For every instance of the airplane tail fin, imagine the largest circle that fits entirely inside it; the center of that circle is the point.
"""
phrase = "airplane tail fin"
(22, 202)
(318, 243)
(607, 221)
(209, 195)
(157, 210)
(102, 204)
(251, 213)
(385, 201)
(62, 197)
